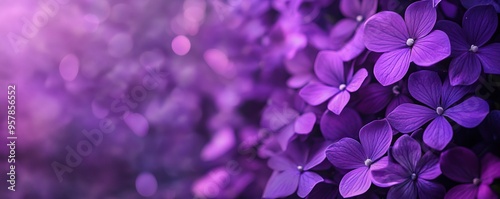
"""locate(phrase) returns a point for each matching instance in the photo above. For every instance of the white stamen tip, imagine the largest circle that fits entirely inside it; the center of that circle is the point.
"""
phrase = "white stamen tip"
(300, 168)
(359, 18)
(342, 87)
(410, 42)
(476, 181)
(413, 176)
(396, 90)
(368, 162)
(439, 110)
(473, 48)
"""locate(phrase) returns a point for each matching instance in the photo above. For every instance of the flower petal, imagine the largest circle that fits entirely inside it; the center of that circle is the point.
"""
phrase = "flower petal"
(400, 99)
(420, 18)
(305, 123)
(357, 80)
(355, 183)
(456, 35)
(465, 69)
(406, 190)
(490, 59)
(469, 113)
(392, 66)
(431, 49)
(406, 151)
(407, 118)
(284, 135)
(480, 23)
(368, 8)
(329, 68)
(452, 94)
(282, 184)
(428, 189)
(428, 166)
(354, 46)
(335, 127)
(376, 137)
(385, 31)
(307, 182)
(426, 87)
(338, 102)
(438, 134)
(346, 153)
(342, 32)
(280, 163)
(462, 191)
(392, 175)
(318, 154)
(350, 8)
(460, 164)
(490, 171)
(316, 93)
(373, 98)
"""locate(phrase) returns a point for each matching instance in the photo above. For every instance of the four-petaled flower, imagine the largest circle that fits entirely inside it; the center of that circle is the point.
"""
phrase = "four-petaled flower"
(329, 69)
(405, 41)
(468, 45)
(412, 174)
(361, 157)
(426, 87)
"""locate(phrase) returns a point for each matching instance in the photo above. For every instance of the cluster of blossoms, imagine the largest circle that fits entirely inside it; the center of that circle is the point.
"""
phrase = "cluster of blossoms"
(255, 98)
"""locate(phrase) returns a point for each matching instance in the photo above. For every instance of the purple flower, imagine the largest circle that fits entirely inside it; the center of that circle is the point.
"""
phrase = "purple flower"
(376, 97)
(468, 45)
(426, 87)
(412, 174)
(361, 157)
(462, 165)
(334, 83)
(472, 3)
(405, 41)
(335, 127)
(292, 171)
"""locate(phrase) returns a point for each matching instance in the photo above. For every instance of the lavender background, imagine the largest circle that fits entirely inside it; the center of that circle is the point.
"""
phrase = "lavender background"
(192, 91)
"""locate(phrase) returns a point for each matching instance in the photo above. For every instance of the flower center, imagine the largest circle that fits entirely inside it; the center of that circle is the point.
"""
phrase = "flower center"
(359, 18)
(300, 168)
(476, 181)
(342, 87)
(410, 42)
(396, 90)
(473, 48)
(368, 162)
(413, 176)
(439, 110)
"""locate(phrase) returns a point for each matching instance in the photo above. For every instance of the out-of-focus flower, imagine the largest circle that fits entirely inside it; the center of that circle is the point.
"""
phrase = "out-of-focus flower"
(472, 3)
(361, 157)
(462, 165)
(405, 41)
(334, 83)
(468, 44)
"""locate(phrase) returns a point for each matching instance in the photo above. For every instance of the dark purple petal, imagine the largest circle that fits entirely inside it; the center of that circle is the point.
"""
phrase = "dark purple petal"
(406, 190)
(430, 190)
(490, 168)
(329, 68)
(407, 118)
(438, 134)
(282, 184)
(406, 151)
(392, 175)
(350, 8)
(425, 86)
(452, 94)
(357, 80)
(428, 166)
(431, 49)
(385, 31)
(395, 102)
(462, 191)
(465, 69)
(376, 137)
(469, 113)
(347, 153)
(480, 23)
(420, 18)
(335, 127)
(305, 123)
(460, 164)
(392, 66)
(318, 154)
(355, 183)
(307, 182)
(490, 59)
(456, 35)
(316, 93)
(339, 101)
(374, 98)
